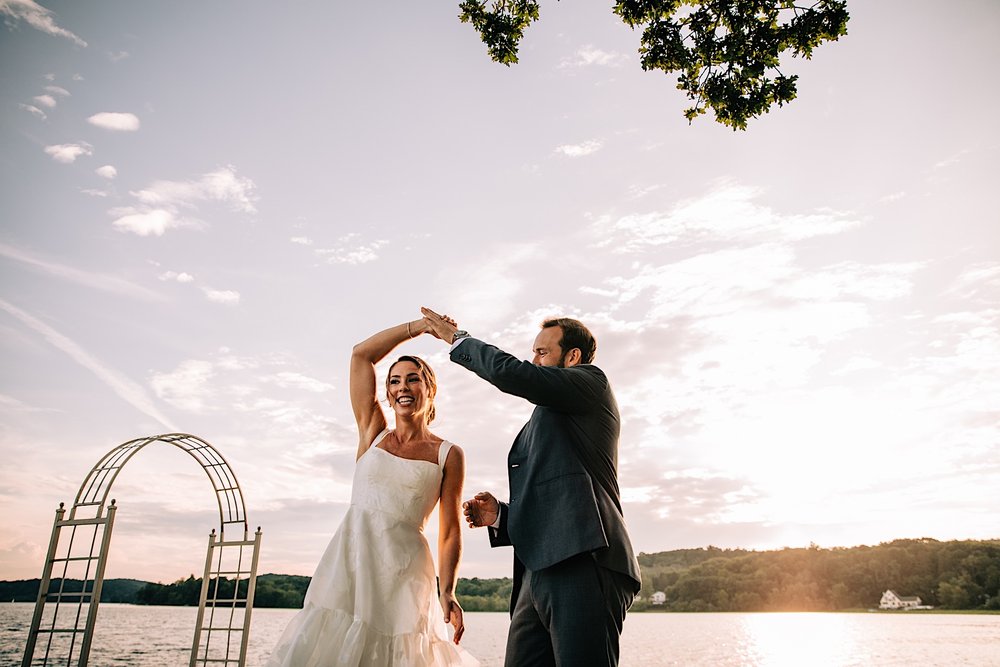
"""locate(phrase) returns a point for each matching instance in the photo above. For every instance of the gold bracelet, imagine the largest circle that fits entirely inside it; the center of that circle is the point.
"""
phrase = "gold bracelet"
(408, 330)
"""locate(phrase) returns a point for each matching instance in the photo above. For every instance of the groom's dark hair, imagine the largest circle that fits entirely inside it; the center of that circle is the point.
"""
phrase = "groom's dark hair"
(574, 334)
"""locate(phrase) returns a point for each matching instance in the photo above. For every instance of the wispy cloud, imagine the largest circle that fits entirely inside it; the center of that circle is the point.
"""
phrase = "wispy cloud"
(163, 204)
(227, 382)
(589, 56)
(30, 108)
(68, 153)
(301, 240)
(126, 389)
(492, 285)
(579, 150)
(94, 280)
(952, 159)
(37, 17)
(118, 56)
(113, 120)
(226, 297)
(729, 213)
(222, 185)
(56, 90)
(350, 250)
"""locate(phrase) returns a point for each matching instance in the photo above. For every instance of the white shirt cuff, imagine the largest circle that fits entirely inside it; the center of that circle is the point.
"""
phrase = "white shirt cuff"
(457, 343)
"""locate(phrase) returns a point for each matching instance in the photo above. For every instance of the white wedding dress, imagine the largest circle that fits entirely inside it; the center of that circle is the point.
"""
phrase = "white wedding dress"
(373, 599)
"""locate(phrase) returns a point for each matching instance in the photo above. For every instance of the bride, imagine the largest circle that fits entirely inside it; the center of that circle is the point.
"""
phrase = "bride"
(374, 599)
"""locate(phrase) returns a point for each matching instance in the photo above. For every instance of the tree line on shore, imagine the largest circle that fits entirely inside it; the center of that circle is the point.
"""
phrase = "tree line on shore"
(961, 575)
(952, 575)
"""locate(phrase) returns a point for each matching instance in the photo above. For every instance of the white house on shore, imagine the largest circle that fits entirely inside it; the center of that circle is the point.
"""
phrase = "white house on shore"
(891, 600)
(657, 598)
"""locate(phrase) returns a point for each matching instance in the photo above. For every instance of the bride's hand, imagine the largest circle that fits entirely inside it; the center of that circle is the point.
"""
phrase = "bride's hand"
(453, 614)
(441, 326)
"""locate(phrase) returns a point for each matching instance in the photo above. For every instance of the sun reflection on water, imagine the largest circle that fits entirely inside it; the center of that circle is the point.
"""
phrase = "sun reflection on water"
(796, 639)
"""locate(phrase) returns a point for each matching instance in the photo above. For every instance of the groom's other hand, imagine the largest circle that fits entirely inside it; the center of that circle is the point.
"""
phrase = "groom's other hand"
(482, 510)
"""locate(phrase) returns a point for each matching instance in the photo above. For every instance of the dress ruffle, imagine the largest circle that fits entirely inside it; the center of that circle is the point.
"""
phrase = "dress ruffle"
(318, 637)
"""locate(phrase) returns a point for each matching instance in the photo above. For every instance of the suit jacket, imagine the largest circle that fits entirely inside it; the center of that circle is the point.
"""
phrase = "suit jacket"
(563, 465)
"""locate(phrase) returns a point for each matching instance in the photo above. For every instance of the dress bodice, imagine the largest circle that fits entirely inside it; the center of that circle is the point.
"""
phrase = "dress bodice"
(405, 488)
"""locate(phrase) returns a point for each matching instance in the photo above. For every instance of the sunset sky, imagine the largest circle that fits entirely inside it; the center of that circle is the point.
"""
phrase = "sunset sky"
(203, 206)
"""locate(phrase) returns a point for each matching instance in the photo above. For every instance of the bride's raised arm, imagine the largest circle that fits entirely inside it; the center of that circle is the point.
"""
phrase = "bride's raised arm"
(364, 394)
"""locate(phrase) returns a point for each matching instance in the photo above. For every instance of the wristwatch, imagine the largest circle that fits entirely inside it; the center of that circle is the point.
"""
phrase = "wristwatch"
(458, 335)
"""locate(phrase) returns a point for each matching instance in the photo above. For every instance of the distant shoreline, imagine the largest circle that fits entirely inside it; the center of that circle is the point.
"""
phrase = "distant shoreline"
(952, 577)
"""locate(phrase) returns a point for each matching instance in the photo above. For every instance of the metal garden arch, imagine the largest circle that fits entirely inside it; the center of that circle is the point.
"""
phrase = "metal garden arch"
(62, 627)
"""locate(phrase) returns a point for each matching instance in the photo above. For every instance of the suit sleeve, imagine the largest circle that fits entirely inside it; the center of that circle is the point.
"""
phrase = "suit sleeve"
(499, 536)
(570, 390)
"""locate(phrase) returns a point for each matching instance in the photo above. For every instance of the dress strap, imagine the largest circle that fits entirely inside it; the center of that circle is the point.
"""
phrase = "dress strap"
(380, 437)
(443, 452)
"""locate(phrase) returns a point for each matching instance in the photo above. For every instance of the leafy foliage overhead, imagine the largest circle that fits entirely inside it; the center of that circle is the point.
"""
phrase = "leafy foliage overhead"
(726, 52)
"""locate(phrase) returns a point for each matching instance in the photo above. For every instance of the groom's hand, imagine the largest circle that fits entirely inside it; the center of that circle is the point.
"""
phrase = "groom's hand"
(441, 326)
(482, 510)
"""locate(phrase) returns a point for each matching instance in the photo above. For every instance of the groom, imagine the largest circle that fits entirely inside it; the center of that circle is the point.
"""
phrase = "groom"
(575, 574)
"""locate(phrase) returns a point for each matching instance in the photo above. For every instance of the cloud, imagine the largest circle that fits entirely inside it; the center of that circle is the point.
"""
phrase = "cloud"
(220, 185)
(186, 387)
(953, 159)
(94, 192)
(580, 150)
(728, 213)
(117, 56)
(300, 381)
(177, 277)
(107, 171)
(99, 281)
(978, 282)
(37, 17)
(145, 221)
(227, 297)
(588, 56)
(349, 251)
(301, 240)
(269, 393)
(68, 153)
(492, 284)
(56, 90)
(162, 205)
(126, 389)
(33, 110)
(46, 101)
(111, 120)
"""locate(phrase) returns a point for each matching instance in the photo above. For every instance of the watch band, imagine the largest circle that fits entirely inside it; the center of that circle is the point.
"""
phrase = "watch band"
(458, 335)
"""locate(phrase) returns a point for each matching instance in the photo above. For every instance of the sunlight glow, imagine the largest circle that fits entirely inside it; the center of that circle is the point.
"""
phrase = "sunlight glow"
(794, 639)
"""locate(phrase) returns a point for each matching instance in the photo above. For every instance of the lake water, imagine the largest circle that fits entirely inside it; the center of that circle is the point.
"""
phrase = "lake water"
(161, 637)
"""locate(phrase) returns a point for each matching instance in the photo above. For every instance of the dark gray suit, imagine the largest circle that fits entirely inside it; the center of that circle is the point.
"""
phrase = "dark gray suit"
(564, 516)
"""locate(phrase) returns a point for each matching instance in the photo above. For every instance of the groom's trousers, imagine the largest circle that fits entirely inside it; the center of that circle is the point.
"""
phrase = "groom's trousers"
(569, 615)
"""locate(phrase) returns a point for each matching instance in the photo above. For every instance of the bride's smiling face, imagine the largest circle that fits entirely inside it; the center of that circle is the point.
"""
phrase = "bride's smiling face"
(407, 391)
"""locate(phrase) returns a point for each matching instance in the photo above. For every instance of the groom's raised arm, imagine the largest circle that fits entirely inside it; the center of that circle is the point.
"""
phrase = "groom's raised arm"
(570, 390)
